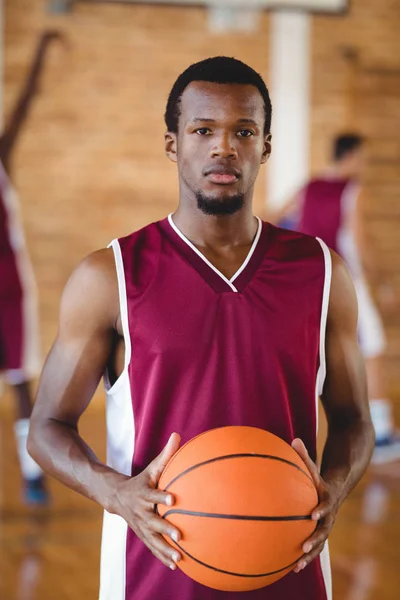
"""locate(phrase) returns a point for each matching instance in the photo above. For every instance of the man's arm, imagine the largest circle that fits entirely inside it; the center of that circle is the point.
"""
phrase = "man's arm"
(385, 292)
(286, 211)
(350, 440)
(89, 317)
(23, 103)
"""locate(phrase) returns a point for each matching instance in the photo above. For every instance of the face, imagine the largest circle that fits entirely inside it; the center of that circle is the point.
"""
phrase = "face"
(357, 160)
(354, 162)
(220, 144)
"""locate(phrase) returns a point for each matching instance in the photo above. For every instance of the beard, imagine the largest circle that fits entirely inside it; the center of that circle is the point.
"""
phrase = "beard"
(219, 207)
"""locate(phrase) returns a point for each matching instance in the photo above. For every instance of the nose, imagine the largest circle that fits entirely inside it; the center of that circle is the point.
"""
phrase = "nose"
(223, 147)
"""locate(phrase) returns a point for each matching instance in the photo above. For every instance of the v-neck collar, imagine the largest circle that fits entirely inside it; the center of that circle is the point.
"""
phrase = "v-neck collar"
(207, 270)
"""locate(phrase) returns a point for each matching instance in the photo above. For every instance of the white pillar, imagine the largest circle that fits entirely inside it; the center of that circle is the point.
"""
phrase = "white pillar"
(290, 94)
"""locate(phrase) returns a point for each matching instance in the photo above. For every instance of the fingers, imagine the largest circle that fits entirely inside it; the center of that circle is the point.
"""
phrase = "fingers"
(301, 450)
(308, 558)
(158, 465)
(159, 497)
(162, 526)
(318, 537)
(315, 544)
(163, 551)
(322, 510)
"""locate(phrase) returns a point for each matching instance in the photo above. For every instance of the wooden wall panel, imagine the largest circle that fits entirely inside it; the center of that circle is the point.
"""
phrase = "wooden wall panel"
(90, 163)
(362, 93)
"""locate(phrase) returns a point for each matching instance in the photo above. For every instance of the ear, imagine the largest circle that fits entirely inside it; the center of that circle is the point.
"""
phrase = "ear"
(171, 146)
(267, 148)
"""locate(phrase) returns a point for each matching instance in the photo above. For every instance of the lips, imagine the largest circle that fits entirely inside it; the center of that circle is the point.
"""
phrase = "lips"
(222, 175)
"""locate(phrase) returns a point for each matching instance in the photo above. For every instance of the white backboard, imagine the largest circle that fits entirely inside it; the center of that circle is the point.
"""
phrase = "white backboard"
(326, 6)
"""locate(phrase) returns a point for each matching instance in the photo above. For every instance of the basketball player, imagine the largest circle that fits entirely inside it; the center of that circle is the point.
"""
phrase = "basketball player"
(19, 340)
(207, 318)
(330, 207)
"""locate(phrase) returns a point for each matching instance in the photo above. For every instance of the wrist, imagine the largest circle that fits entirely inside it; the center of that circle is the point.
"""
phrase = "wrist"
(107, 495)
(336, 485)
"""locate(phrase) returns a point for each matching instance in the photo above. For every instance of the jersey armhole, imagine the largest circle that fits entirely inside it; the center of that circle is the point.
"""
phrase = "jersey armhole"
(321, 375)
(123, 305)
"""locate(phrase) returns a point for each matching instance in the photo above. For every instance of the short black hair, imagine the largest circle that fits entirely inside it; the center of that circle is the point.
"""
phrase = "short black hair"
(346, 143)
(219, 69)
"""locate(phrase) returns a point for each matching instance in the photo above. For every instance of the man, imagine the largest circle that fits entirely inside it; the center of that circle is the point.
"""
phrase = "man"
(207, 318)
(330, 207)
(19, 338)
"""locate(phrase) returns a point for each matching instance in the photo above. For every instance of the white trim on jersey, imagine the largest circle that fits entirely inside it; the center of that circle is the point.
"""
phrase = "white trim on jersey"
(325, 562)
(252, 249)
(319, 384)
(197, 251)
(120, 449)
(324, 315)
(123, 301)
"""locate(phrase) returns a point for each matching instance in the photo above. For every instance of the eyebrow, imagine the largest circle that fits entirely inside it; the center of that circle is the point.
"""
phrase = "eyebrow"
(243, 121)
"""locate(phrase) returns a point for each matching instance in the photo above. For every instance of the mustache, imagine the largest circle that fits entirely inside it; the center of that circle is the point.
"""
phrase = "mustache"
(221, 170)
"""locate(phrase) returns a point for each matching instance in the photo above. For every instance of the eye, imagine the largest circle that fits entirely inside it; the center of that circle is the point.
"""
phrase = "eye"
(246, 133)
(203, 131)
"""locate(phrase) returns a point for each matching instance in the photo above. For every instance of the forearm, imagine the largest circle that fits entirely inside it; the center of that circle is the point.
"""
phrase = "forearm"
(346, 455)
(58, 448)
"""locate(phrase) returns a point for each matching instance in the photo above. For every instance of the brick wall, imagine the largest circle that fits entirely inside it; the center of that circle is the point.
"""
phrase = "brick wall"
(90, 164)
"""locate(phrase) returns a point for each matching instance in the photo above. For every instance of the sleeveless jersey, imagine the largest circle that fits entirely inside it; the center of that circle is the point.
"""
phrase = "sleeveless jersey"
(203, 351)
(19, 335)
(11, 236)
(326, 212)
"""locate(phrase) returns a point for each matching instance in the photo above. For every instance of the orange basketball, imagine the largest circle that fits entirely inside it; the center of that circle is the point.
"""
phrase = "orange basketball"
(243, 500)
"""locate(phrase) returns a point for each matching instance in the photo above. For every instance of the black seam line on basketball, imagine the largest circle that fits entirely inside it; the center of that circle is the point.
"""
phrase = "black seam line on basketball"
(193, 513)
(244, 455)
(246, 575)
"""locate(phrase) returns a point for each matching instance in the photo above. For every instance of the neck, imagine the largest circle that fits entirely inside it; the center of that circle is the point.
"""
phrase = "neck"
(216, 231)
(341, 171)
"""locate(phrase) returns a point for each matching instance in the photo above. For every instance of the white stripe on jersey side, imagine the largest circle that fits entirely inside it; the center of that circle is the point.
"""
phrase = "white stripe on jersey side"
(324, 314)
(325, 561)
(120, 449)
(197, 251)
(123, 304)
(319, 384)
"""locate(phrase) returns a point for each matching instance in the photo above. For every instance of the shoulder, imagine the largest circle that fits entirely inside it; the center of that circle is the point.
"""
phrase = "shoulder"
(147, 237)
(286, 243)
(96, 269)
(91, 293)
(343, 306)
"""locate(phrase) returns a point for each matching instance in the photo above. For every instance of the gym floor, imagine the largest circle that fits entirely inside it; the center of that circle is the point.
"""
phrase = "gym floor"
(55, 553)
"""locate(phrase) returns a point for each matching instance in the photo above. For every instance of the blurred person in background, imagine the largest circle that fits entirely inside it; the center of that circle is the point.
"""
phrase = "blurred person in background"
(19, 327)
(330, 207)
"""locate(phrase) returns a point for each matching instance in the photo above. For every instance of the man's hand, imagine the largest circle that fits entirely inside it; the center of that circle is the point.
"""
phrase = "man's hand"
(325, 513)
(135, 499)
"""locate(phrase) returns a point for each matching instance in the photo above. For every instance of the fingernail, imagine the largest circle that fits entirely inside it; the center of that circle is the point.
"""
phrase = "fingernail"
(307, 547)
(317, 516)
(302, 566)
(175, 536)
(169, 501)
(172, 567)
(175, 557)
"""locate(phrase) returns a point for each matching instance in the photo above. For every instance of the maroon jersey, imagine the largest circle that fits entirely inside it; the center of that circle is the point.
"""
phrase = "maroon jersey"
(202, 352)
(326, 211)
(19, 340)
